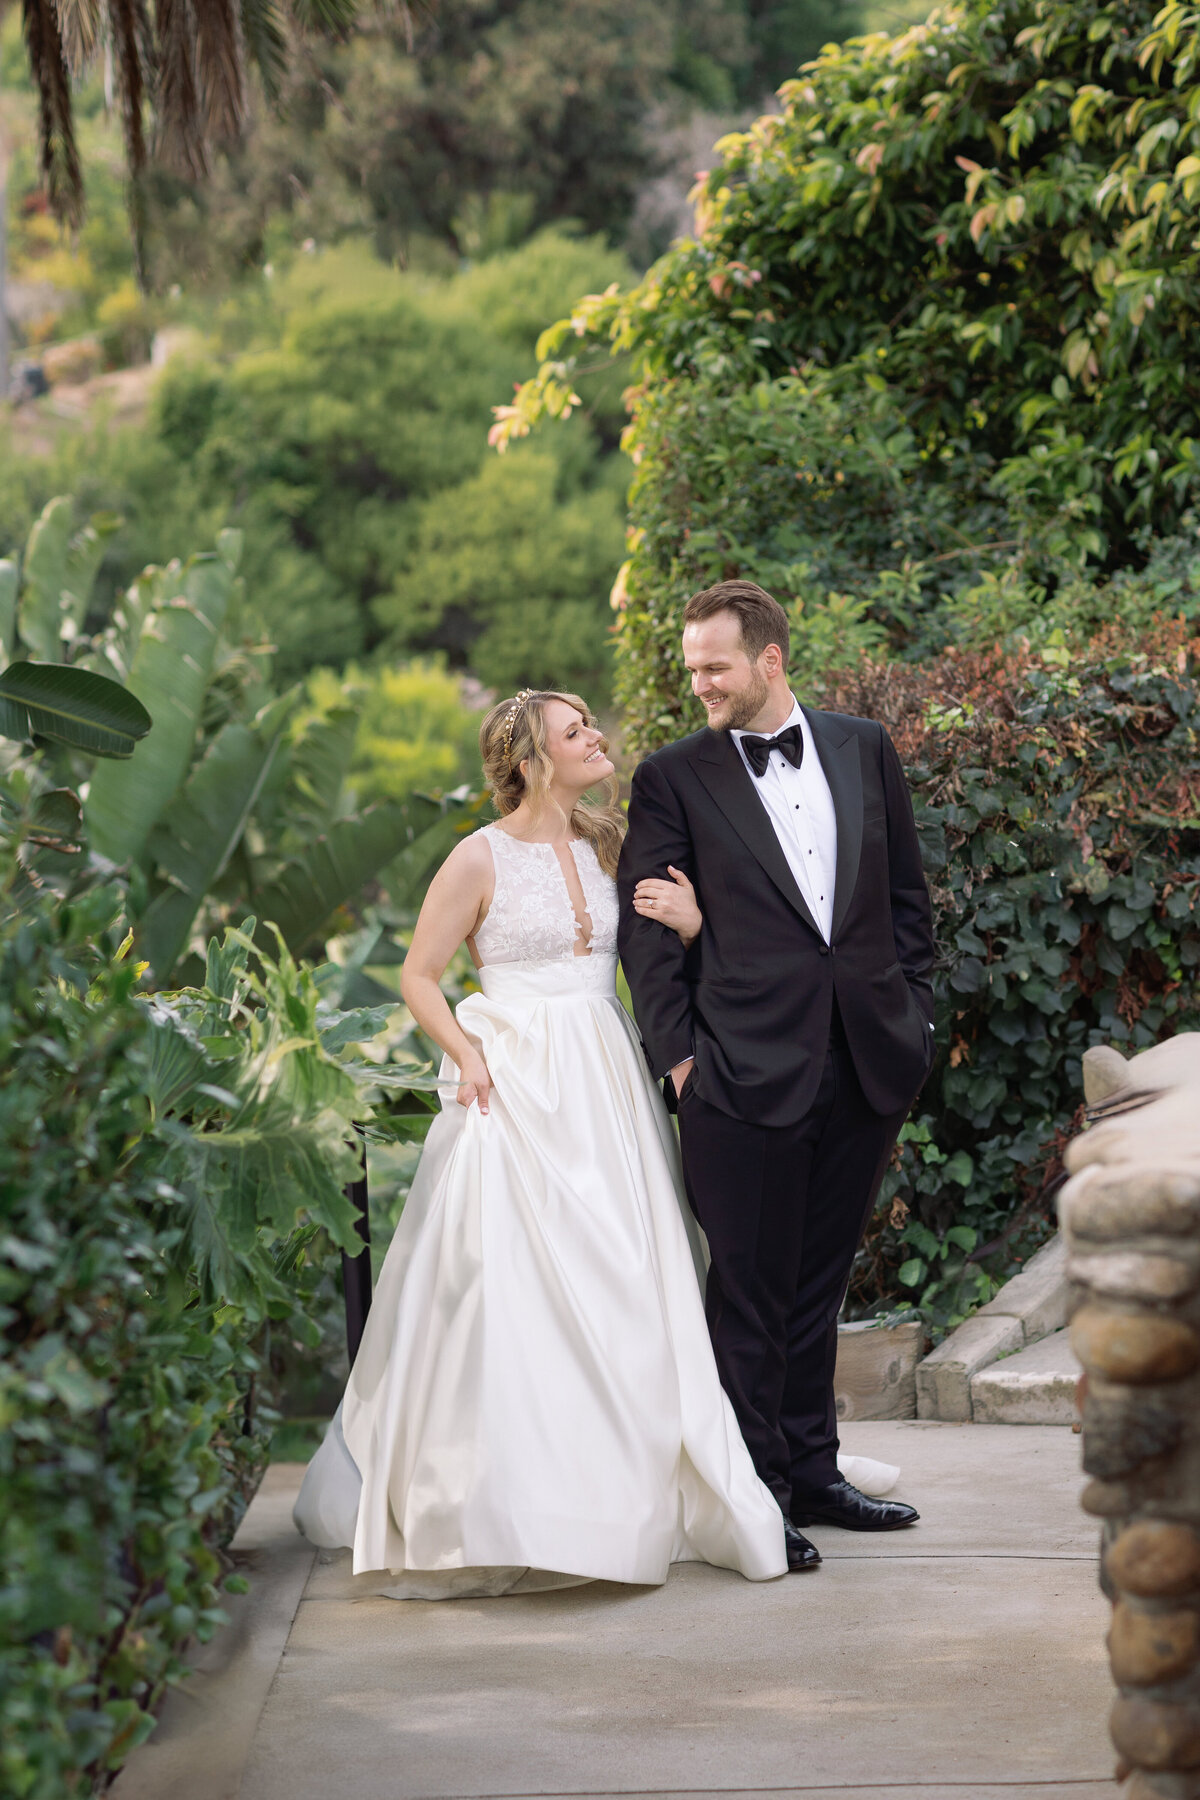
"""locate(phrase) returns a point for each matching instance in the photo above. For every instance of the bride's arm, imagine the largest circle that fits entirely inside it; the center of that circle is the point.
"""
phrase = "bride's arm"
(453, 908)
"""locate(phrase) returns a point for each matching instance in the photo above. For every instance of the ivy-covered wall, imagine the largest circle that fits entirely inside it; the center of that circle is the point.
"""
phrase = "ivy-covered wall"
(1057, 795)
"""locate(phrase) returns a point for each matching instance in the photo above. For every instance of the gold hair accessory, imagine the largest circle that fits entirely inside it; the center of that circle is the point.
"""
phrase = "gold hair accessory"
(510, 717)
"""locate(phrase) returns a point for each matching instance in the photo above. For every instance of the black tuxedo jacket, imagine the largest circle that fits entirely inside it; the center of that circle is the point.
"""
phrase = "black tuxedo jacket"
(752, 999)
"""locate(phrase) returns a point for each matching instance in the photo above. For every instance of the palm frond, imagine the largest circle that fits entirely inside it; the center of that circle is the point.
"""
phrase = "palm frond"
(133, 54)
(266, 44)
(80, 22)
(180, 129)
(218, 66)
(58, 153)
(327, 18)
(130, 31)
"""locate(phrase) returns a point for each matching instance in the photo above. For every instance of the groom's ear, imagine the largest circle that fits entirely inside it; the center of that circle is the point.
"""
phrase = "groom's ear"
(771, 660)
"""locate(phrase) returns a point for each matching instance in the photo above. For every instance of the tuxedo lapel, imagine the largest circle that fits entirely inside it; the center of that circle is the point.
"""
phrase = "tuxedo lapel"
(839, 754)
(727, 779)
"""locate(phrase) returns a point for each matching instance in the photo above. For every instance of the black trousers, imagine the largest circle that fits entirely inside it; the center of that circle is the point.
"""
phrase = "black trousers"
(783, 1209)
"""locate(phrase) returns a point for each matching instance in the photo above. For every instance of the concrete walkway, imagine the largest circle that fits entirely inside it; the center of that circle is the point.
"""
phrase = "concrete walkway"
(962, 1660)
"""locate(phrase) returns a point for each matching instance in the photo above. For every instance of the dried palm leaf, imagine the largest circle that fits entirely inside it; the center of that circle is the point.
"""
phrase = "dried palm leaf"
(131, 39)
(56, 127)
(219, 68)
(128, 49)
(80, 22)
(179, 138)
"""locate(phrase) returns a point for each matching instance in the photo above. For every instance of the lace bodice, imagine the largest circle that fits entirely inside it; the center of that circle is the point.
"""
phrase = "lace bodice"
(531, 918)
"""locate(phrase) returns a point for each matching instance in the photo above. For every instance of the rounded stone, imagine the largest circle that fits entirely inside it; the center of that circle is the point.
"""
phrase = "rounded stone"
(1152, 1734)
(1107, 1499)
(1134, 1347)
(1105, 1073)
(1117, 1204)
(1134, 1275)
(1148, 1647)
(1155, 1559)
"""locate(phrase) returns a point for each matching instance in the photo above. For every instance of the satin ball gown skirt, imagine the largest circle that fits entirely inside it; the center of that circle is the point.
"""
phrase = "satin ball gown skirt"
(535, 1401)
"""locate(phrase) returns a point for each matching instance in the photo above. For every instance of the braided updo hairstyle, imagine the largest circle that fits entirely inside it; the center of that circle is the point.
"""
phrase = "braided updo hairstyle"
(514, 732)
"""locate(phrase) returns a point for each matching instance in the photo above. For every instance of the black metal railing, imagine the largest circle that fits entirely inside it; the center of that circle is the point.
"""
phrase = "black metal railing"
(356, 1270)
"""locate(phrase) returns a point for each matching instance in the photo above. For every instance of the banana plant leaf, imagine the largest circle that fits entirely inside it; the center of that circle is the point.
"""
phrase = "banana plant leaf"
(333, 871)
(59, 569)
(435, 826)
(318, 765)
(193, 845)
(170, 673)
(72, 706)
(8, 607)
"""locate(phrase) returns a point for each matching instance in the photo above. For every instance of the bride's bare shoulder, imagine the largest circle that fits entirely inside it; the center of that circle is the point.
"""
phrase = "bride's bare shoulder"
(469, 861)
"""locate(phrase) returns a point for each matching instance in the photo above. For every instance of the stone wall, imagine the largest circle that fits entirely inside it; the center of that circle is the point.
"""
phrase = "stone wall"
(1130, 1214)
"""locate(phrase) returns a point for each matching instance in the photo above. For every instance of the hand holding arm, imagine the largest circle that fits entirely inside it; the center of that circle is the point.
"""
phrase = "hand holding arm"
(671, 903)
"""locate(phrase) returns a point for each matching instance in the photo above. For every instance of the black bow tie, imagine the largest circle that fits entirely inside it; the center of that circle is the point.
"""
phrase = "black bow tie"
(758, 749)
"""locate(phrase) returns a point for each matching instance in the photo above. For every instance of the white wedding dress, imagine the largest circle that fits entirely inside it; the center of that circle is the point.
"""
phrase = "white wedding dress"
(535, 1401)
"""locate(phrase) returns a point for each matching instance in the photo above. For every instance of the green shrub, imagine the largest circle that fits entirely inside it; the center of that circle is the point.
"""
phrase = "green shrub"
(414, 731)
(124, 1454)
(171, 1198)
(1057, 794)
(509, 574)
(929, 334)
(339, 420)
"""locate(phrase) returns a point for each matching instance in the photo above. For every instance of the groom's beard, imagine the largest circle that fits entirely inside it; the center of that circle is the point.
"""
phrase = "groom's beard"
(741, 709)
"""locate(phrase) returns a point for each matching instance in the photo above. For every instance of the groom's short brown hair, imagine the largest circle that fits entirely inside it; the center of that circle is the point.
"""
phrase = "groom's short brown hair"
(761, 619)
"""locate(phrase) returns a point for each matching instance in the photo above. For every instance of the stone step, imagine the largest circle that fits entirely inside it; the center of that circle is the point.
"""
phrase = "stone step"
(1036, 1386)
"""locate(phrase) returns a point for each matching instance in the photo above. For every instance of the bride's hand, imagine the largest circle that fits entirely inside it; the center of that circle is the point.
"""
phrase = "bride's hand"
(474, 1083)
(671, 903)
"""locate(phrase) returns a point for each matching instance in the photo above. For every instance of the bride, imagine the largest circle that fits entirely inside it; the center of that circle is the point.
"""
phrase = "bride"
(535, 1401)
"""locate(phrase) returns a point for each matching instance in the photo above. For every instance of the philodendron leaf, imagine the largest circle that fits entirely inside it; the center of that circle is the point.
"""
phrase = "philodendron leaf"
(72, 706)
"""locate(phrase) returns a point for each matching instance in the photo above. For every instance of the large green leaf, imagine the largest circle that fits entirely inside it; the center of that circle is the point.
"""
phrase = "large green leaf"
(8, 606)
(193, 844)
(318, 764)
(59, 569)
(269, 1174)
(72, 706)
(332, 871)
(434, 827)
(170, 673)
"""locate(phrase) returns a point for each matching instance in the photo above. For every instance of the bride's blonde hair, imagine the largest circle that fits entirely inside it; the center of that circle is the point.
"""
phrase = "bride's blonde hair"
(514, 732)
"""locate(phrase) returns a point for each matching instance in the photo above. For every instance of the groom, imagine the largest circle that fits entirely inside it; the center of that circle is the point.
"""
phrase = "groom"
(796, 1031)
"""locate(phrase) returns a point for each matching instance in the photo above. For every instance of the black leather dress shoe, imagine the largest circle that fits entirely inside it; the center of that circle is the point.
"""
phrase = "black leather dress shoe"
(841, 1504)
(800, 1553)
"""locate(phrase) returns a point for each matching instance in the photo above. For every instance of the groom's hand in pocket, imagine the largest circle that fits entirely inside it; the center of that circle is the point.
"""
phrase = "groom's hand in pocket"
(679, 1074)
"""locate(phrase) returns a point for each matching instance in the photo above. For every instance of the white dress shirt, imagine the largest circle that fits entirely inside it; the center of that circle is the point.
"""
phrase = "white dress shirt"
(800, 807)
